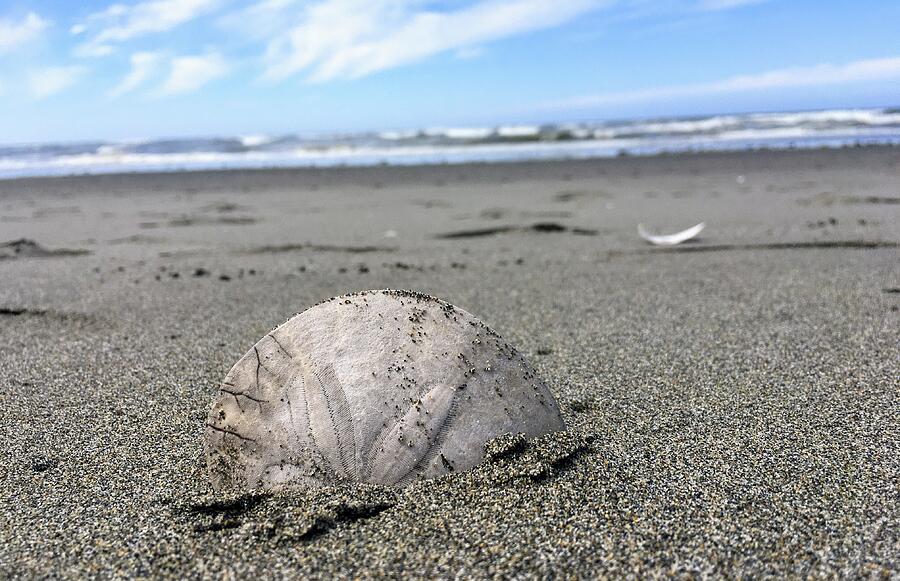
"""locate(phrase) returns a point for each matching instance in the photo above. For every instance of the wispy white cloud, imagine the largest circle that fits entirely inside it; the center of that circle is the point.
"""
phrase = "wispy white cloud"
(346, 39)
(178, 74)
(143, 66)
(261, 20)
(881, 69)
(120, 22)
(93, 49)
(49, 81)
(189, 73)
(16, 33)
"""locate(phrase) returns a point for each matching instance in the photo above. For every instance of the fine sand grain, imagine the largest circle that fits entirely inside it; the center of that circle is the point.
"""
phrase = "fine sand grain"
(733, 403)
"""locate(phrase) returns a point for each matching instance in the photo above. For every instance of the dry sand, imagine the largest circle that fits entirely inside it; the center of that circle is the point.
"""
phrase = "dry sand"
(732, 403)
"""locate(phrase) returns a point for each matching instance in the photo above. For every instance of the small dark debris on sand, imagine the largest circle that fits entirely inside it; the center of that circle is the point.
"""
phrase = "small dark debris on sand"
(539, 227)
(582, 405)
(822, 223)
(400, 266)
(25, 248)
(891, 290)
(43, 463)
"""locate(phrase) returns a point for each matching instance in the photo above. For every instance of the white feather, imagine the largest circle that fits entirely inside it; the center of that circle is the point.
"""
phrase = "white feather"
(670, 239)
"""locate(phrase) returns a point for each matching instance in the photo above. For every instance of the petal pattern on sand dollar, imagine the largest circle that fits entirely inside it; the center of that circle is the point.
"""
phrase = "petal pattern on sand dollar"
(330, 421)
(413, 437)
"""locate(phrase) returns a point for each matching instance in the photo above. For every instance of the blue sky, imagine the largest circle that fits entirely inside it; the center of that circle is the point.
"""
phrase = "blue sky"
(153, 68)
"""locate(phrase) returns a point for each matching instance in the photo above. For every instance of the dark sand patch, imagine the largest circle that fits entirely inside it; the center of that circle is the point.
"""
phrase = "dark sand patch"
(223, 207)
(476, 232)
(18, 311)
(227, 220)
(540, 227)
(493, 213)
(184, 221)
(822, 244)
(319, 248)
(546, 214)
(429, 204)
(50, 212)
(79, 320)
(155, 214)
(575, 195)
(180, 253)
(26, 248)
(581, 405)
(138, 239)
(548, 227)
(829, 199)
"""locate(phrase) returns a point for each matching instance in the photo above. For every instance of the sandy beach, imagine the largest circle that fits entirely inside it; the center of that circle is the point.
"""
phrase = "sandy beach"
(733, 403)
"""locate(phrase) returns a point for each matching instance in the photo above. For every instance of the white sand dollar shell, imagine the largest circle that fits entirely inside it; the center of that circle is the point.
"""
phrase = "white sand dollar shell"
(379, 386)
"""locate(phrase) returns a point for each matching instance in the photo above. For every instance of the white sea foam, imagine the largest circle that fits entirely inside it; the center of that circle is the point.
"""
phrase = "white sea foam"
(398, 135)
(518, 131)
(468, 133)
(255, 140)
(833, 128)
(865, 117)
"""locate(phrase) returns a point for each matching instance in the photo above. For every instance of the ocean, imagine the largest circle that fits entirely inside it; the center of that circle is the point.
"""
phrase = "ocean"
(805, 129)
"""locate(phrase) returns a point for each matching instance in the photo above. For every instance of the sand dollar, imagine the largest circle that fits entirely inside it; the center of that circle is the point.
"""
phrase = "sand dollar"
(379, 386)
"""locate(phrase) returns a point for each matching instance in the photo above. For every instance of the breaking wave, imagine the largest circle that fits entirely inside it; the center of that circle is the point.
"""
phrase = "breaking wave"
(833, 128)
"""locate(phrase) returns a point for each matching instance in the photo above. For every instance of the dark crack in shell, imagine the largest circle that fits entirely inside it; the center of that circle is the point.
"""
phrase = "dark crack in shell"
(381, 387)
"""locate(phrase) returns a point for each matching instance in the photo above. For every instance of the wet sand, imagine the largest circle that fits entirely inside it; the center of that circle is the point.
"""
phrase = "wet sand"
(732, 403)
